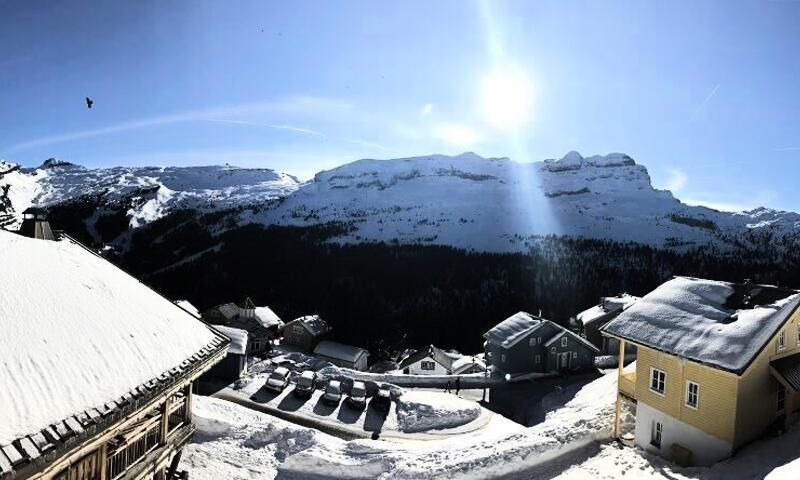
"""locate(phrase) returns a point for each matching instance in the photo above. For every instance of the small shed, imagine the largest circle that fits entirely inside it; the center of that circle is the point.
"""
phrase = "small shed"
(341, 355)
(305, 332)
(234, 365)
(467, 364)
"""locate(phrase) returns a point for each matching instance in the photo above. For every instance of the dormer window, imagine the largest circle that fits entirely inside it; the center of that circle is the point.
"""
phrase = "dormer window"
(782, 340)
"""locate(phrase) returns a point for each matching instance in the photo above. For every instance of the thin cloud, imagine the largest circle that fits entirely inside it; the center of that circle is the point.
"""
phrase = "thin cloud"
(268, 125)
(293, 105)
(426, 110)
(677, 180)
(787, 149)
(706, 100)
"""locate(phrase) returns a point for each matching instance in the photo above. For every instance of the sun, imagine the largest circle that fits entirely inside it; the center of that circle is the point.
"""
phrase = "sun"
(505, 97)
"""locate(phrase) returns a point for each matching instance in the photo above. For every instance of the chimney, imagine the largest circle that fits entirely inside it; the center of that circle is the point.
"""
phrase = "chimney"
(35, 224)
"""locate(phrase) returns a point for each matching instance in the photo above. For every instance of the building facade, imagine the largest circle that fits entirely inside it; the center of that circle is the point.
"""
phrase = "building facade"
(305, 332)
(524, 343)
(716, 368)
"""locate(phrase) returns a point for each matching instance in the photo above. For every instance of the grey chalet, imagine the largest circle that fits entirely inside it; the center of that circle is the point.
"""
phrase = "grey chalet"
(305, 332)
(524, 344)
(593, 319)
(260, 323)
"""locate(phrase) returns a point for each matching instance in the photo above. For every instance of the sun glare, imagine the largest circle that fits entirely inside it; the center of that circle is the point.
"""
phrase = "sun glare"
(506, 97)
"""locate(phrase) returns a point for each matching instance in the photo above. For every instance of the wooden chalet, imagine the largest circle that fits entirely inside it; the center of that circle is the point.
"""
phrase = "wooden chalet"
(98, 368)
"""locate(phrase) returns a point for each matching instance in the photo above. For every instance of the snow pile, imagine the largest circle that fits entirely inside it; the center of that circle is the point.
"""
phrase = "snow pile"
(689, 317)
(78, 332)
(419, 411)
(232, 442)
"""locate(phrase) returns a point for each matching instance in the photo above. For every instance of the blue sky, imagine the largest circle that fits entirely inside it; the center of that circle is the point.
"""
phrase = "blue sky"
(705, 94)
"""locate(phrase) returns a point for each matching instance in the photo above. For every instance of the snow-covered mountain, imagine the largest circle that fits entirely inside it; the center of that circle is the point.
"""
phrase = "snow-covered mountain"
(467, 201)
(144, 193)
(496, 204)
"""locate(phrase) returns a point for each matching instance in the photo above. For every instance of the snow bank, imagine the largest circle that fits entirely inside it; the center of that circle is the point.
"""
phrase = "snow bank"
(78, 332)
(419, 411)
(232, 442)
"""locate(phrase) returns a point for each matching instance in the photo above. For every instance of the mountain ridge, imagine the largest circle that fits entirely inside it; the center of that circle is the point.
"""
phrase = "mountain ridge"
(466, 201)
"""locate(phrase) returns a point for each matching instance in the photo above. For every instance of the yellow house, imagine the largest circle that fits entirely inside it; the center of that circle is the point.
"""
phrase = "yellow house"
(718, 365)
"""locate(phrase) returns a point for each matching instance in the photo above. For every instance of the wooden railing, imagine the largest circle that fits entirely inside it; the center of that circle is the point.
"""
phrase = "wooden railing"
(127, 449)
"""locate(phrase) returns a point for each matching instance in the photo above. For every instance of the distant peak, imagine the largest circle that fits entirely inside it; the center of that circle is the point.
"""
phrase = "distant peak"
(54, 162)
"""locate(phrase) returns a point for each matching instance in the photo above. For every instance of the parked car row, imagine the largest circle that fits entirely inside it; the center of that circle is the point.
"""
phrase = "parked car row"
(306, 383)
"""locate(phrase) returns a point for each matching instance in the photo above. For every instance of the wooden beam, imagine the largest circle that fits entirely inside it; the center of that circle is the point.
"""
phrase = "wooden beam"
(618, 406)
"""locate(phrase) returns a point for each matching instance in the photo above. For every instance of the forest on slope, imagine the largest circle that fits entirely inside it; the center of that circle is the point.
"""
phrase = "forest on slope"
(390, 296)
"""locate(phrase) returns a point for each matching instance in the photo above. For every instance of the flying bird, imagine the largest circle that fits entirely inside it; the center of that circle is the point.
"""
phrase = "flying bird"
(89, 102)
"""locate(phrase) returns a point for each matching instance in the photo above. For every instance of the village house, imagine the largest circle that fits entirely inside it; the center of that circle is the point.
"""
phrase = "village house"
(428, 361)
(261, 323)
(97, 370)
(591, 320)
(305, 332)
(341, 355)
(524, 344)
(717, 366)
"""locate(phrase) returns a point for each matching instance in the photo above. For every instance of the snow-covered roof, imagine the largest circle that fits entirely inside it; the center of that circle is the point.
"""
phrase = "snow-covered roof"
(442, 357)
(513, 329)
(577, 338)
(607, 305)
(466, 362)
(267, 318)
(238, 339)
(186, 305)
(721, 324)
(314, 323)
(229, 310)
(78, 333)
(339, 351)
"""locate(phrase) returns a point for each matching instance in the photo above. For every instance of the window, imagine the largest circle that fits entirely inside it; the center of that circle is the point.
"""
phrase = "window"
(428, 365)
(798, 334)
(538, 359)
(297, 329)
(781, 398)
(503, 358)
(574, 354)
(655, 435)
(552, 349)
(563, 341)
(539, 339)
(531, 342)
(658, 379)
(692, 394)
(782, 339)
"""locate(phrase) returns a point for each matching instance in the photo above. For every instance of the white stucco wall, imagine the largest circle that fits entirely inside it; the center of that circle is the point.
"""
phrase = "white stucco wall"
(416, 368)
(706, 449)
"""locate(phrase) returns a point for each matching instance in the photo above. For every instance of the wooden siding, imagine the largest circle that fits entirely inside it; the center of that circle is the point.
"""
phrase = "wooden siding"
(716, 410)
(758, 387)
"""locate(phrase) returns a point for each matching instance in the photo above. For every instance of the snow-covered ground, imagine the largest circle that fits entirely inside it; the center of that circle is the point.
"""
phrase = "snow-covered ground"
(422, 411)
(236, 443)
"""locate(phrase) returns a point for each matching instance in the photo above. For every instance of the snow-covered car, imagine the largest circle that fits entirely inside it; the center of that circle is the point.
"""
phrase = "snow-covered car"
(358, 395)
(278, 379)
(305, 384)
(382, 400)
(333, 392)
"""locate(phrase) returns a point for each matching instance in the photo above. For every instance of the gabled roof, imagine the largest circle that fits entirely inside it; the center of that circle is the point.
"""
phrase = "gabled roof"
(436, 354)
(513, 329)
(339, 351)
(313, 323)
(466, 362)
(577, 338)
(267, 317)
(721, 324)
(238, 339)
(250, 325)
(80, 335)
